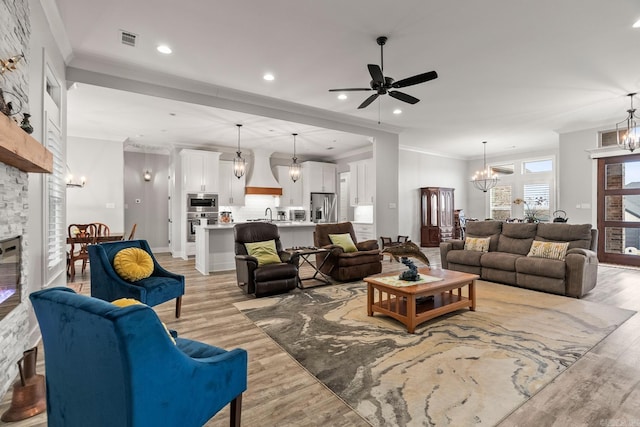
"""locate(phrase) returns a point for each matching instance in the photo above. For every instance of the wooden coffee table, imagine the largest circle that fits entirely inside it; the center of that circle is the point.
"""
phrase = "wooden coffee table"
(400, 302)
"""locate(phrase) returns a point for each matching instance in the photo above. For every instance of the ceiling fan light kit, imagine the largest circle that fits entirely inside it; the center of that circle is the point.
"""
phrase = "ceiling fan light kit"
(627, 133)
(384, 85)
(484, 179)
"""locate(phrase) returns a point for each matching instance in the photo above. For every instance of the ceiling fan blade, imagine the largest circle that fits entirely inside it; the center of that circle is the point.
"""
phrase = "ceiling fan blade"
(414, 80)
(403, 97)
(376, 73)
(368, 101)
(350, 89)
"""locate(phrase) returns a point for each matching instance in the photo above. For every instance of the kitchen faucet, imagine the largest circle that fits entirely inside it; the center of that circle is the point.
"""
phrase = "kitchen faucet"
(270, 214)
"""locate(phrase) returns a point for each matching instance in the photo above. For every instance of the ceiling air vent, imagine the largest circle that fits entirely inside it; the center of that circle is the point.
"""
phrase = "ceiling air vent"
(128, 38)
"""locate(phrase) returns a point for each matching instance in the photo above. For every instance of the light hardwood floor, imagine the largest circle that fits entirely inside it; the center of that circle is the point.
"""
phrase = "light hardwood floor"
(601, 389)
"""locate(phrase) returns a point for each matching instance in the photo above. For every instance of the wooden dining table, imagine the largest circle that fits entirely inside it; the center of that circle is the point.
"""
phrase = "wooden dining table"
(83, 242)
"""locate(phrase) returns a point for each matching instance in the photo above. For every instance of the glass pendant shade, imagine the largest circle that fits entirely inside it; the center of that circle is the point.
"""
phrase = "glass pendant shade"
(627, 132)
(484, 179)
(294, 168)
(239, 165)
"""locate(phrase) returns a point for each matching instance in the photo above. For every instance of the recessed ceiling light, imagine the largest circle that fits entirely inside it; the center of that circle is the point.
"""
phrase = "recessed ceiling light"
(163, 48)
(342, 96)
(636, 24)
(330, 148)
(397, 111)
(268, 77)
(172, 114)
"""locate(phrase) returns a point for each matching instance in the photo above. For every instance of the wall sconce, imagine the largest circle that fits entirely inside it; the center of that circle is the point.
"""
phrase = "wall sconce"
(147, 175)
(74, 183)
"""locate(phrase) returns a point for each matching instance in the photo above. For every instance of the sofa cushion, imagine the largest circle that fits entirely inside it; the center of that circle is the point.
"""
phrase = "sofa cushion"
(541, 267)
(578, 235)
(265, 252)
(464, 257)
(348, 259)
(344, 241)
(477, 243)
(500, 261)
(550, 250)
(133, 264)
(485, 229)
(516, 238)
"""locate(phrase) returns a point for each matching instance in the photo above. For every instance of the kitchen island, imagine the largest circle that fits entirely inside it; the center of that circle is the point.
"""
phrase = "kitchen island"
(215, 243)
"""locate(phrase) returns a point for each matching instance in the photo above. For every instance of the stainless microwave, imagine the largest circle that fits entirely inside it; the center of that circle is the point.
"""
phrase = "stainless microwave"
(202, 202)
(297, 215)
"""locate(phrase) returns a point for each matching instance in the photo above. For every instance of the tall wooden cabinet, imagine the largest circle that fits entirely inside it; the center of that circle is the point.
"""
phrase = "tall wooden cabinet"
(436, 213)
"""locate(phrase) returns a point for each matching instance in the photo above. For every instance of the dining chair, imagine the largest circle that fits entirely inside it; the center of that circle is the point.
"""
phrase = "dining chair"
(133, 232)
(102, 229)
(80, 236)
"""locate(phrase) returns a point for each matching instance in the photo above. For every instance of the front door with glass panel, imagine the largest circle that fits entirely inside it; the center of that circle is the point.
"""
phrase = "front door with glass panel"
(619, 210)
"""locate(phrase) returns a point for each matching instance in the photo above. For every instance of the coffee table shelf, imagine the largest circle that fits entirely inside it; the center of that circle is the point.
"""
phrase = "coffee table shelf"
(415, 304)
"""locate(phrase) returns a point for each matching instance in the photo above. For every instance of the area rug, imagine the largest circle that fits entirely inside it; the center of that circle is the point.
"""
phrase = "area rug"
(462, 369)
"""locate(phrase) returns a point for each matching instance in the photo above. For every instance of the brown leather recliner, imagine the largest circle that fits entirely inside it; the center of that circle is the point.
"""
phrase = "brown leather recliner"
(271, 278)
(347, 266)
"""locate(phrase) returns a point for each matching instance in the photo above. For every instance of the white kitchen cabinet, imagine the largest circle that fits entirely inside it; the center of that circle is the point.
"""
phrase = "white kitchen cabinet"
(362, 183)
(364, 231)
(291, 191)
(200, 171)
(319, 177)
(231, 187)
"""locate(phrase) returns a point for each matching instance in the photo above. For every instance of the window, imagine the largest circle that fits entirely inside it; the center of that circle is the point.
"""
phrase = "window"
(501, 201)
(533, 181)
(54, 184)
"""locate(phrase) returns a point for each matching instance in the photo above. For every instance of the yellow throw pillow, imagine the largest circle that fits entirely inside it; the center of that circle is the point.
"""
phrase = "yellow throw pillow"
(126, 302)
(133, 264)
(265, 252)
(480, 244)
(343, 240)
(550, 250)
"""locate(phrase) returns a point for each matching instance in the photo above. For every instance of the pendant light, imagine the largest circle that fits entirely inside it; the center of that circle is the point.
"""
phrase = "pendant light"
(485, 179)
(238, 162)
(294, 168)
(627, 133)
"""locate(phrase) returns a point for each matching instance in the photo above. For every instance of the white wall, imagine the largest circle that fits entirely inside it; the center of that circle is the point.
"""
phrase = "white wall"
(577, 186)
(102, 198)
(152, 213)
(418, 170)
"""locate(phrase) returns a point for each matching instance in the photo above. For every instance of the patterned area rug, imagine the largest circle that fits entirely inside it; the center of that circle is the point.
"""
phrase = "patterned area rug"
(465, 368)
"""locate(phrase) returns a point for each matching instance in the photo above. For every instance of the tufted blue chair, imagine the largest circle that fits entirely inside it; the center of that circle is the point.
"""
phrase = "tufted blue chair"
(110, 366)
(160, 287)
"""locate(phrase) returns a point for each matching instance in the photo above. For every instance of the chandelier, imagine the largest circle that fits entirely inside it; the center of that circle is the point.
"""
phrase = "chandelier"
(238, 162)
(485, 179)
(294, 167)
(627, 135)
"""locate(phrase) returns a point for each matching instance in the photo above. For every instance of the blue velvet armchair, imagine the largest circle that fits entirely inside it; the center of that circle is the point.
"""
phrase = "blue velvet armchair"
(110, 366)
(107, 285)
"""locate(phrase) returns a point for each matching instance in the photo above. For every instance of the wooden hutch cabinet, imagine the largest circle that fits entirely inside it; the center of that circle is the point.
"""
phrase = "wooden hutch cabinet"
(436, 213)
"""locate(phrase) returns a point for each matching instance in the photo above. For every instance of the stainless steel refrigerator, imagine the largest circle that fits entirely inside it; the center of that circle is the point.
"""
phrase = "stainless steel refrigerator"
(324, 207)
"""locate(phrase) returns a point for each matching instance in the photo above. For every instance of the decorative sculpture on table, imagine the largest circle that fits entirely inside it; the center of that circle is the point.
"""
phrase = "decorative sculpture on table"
(406, 249)
(412, 273)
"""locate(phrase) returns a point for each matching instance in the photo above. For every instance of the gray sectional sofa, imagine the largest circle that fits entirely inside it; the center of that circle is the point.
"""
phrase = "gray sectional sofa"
(506, 260)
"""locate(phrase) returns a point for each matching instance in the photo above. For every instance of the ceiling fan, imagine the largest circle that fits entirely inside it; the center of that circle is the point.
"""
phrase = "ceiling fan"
(383, 85)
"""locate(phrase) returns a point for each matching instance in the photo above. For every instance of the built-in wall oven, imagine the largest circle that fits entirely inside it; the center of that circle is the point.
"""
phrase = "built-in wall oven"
(202, 202)
(201, 207)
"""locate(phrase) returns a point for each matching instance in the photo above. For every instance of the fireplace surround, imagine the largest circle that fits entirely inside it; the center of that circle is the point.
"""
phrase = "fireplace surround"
(10, 263)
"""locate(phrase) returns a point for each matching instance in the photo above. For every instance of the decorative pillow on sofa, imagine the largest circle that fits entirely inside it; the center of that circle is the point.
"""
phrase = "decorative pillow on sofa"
(265, 252)
(480, 244)
(550, 250)
(133, 264)
(343, 240)
(126, 302)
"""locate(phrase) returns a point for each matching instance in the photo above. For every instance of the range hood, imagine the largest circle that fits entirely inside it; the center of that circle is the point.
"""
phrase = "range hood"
(262, 180)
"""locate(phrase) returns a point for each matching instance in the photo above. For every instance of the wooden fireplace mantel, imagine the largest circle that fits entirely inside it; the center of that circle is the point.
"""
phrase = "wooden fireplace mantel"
(21, 150)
